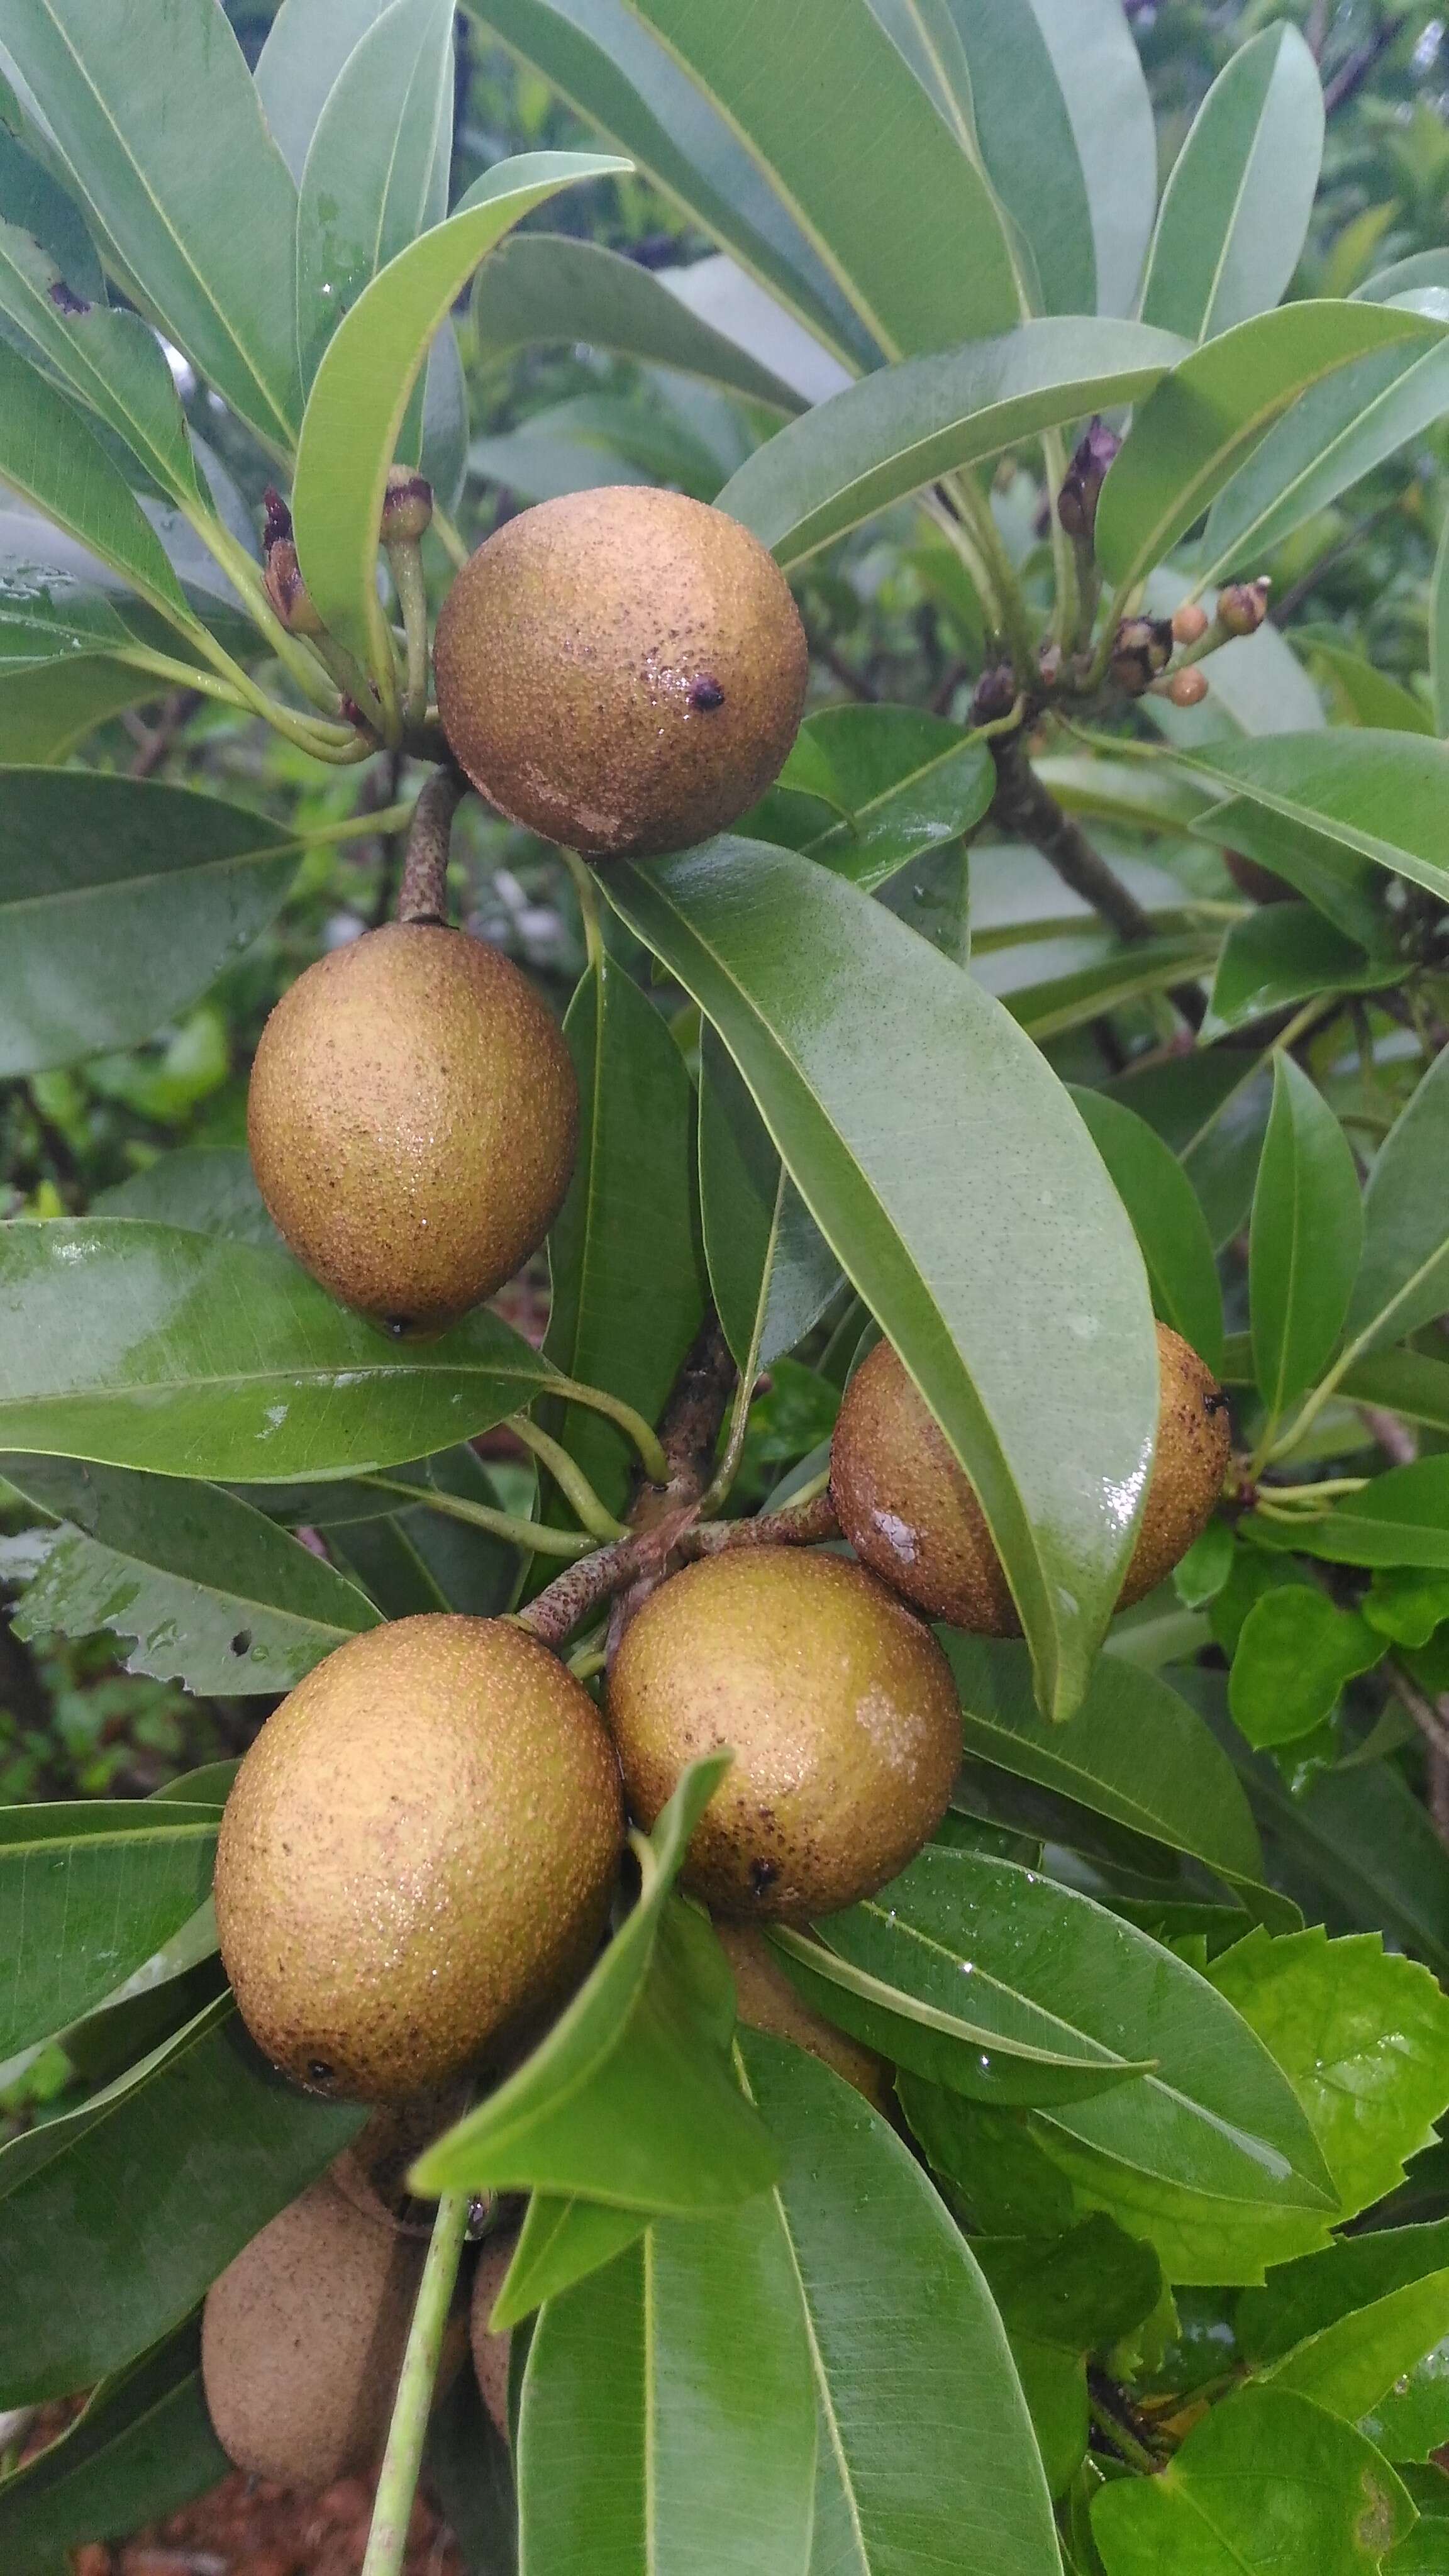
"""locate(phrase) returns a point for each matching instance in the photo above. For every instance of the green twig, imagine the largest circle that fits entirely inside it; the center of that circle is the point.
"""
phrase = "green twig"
(569, 1477)
(632, 1424)
(505, 1525)
(454, 546)
(398, 2484)
(405, 558)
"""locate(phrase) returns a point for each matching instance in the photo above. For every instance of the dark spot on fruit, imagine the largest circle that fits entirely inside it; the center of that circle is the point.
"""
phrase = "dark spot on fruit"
(1215, 1403)
(241, 1643)
(705, 696)
(319, 2072)
(763, 1874)
(65, 299)
(397, 1327)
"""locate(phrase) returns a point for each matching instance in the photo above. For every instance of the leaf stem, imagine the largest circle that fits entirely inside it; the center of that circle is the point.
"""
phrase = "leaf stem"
(978, 516)
(1125, 2444)
(505, 1525)
(454, 546)
(656, 1465)
(423, 894)
(588, 895)
(405, 558)
(397, 2486)
(569, 1477)
(291, 651)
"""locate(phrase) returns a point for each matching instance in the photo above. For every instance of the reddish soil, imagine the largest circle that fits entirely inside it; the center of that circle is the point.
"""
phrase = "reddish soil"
(248, 2527)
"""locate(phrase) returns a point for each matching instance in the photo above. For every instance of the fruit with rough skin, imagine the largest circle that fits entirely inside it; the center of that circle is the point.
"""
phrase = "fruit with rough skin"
(412, 1118)
(768, 2001)
(840, 1710)
(491, 2351)
(302, 2340)
(418, 1851)
(909, 1511)
(622, 670)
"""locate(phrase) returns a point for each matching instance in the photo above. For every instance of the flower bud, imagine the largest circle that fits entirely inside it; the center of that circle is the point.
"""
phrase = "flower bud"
(1190, 624)
(1187, 688)
(279, 519)
(1085, 476)
(1141, 653)
(288, 592)
(1243, 607)
(996, 695)
(407, 511)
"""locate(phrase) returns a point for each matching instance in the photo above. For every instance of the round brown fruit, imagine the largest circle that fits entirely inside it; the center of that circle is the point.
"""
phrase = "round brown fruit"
(768, 2001)
(417, 1853)
(412, 1120)
(302, 2340)
(623, 671)
(840, 1709)
(908, 1510)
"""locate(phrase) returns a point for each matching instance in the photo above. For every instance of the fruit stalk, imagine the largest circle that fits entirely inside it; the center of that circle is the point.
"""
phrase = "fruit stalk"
(423, 896)
(387, 2541)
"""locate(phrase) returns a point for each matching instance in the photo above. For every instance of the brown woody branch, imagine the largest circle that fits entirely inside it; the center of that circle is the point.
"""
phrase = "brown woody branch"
(423, 897)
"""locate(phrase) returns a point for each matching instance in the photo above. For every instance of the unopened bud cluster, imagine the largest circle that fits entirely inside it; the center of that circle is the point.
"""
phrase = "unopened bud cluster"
(1082, 489)
(407, 510)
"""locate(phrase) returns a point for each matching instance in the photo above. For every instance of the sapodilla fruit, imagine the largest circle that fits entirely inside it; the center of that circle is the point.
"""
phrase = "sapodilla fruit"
(412, 1118)
(840, 1710)
(623, 671)
(909, 1511)
(302, 2340)
(417, 1854)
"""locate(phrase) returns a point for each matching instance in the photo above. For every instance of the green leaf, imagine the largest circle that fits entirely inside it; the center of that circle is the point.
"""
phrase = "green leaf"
(45, 713)
(900, 429)
(628, 1287)
(926, 2455)
(31, 196)
(223, 2143)
(1307, 1231)
(359, 400)
(112, 362)
(1286, 953)
(771, 1272)
(307, 45)
(1134, 1752)
(707, 2441)
(919, 274)
(1354, 2365)
(1401, 1280)
(153, 108)
(1362, 2281)
(1381, 796)
(1091, 973)
(1362, 695)
(737, 922)
(629, 2100)
(1235, 211)
(1422, 2554)
(142, 2446)
(1294, 1656)
(374, 165)
(208, 1189)
(1439, 635)
(452, 1566)
(1402, 1518)
(87, 1894)
(1209, 413)
(599, 57)
(543, 287)
(867, 790)
(1167, 1219)
(213, 1593)
(561, 2242)
(144, 1346)
(1061, 2298)
(1328, 440)
(469, 2469)
(1217, 2113)
(1211, 1107)
(1266, 2483)
(53, 461)
(122, 901)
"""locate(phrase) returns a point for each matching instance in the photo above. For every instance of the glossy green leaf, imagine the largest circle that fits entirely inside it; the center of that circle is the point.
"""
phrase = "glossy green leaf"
(734, 921)
(371, 180)
(667, 2414)
(1134, 1752)
(900, 429)
(142, 2446)
(1286, 953)
(1209, 413)
(32, 196)
(628, 1286)
(458, 1566)
(1403, 1382)
(611, 70)
(154, 109)
(1307, 1231)
(1061, 2298)
(94, 2270)
(1351, 2366)
(630, 2099)
(560, 2242)
(771, 1272)
(868, 790)
(1379, 796)
(1401, 1282)
(109, 361)
(1042, 1959)
(50, 457)
(1167, 1219)
(1263, 2484)
(359, 400)
(1345, 887)
(211, 1592)
(1296, 1653)
(1363, 695)
(1402, 1518)
(122, 900)
(45, 713)
(307, 45)
(927, 2454)
(1051, 986)
(1211, 1107)
(208, 1189)
(86, 1895)
(1235, 211)
(544, 287)
(920, 274)
(145, 1346)
(1423, 2553)
(1439, 635)
(1330, 438)
(1365, 2277)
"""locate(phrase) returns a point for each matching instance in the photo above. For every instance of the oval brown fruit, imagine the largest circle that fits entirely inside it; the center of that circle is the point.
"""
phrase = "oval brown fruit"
(417, 1852)
(412, 1119)
(908, 1510)
(302, 2340)
(623, 671)
(840, 1709)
